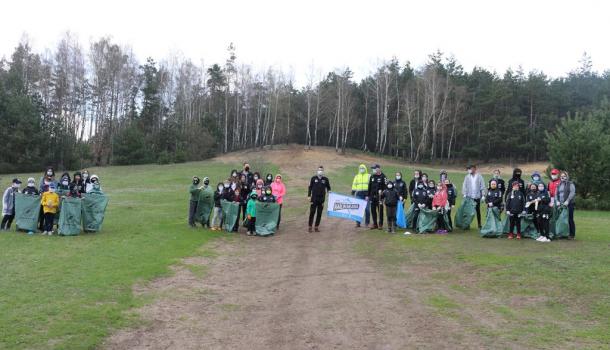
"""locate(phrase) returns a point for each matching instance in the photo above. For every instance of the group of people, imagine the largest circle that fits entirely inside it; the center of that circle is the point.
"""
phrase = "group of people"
(50, 189)
(244, 187)
(514, 196)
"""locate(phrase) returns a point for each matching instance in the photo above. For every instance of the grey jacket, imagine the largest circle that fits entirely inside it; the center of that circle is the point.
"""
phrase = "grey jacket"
(478, 190)
(8, 201)
(566, 191)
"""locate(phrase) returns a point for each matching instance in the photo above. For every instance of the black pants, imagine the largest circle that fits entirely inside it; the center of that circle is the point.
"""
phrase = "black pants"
(242, 212)
(515, 220)
(449, 217)
(571, 220)
(315, 209)
(440, 222)
(192, 211)
(478, 208)
(41, 219)
(7, 220)
(376, 209)
(48, 221)
(415, 216)
(543, 225)
(391, 215)
(252, 225)
(279, 217)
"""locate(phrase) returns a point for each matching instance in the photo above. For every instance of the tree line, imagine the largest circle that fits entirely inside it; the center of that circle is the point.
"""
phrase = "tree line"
(74, 107)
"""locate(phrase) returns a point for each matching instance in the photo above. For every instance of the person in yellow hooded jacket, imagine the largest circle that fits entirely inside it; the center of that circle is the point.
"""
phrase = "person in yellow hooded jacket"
(360, 189)
(50, 203)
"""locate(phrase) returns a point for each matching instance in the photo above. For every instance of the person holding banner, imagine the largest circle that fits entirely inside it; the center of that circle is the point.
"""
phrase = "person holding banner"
(316, 193)
(360, 189)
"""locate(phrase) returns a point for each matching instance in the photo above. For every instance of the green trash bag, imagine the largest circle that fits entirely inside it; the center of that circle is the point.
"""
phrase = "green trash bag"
(27, 209)
(267, 215)
(230, 212)
(70, 216)
(426, 220)
(528, 229)
(94, 210)
(506, 224)
(410, 215)
(553, 221)
(204, 206)
(493, 227)
(465, 214)
(562, 224)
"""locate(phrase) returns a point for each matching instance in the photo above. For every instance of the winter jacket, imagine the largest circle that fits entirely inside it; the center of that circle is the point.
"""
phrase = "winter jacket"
(494, 196)
(401, 188)
(473, 190)
(377, 184)
(515, 178)
(46, 182)
(451, 194)
(531, 196)
(361, 181)
(279, 191)
(269, 180)
(390, 197)
(566, 191)
(430, 192)
(515, 202)
(539, 181)
(30, 190)
(249, 177)
(244, 194)
(251, 207)
(500, 185)
(413, 185)
(217, 199)
(78, 186)
(318, 185)
(8, 201)
(194, 191)
(545, 200)
(258, 187)
(440, 199)
(553, 187)
(50, 202)
(228, 194)
(420, 196)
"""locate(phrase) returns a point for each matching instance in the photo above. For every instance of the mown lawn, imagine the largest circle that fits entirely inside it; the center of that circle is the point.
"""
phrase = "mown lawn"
(71, 292)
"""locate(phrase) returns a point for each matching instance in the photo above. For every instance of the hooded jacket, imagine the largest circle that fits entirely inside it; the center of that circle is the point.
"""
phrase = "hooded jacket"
(539, 181)
(251, 206)
(440, 198)
(259, 186)
(566, 191)
(8, 201)
(401, 188)
(530, 197)
(500, 184)
(390, 197)
(268, 179)
(267, 198)
(515, 202)
(361, 180)
(516, 178)
(419, 195)
(473, 186)
(494, 196)
(451, 194)
(279, 190)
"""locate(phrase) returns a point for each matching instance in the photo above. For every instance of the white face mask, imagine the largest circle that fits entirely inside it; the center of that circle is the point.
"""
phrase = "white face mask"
(16, 186)
(65, 183)
(220, 188)
(536, 178)
(416, 176)
(234, 175)
(85, 176)
(424, 179)
(540, 189)
(49, 173)
(51, 190)
(554, 177)
(227, 185)
(320, 172)
(390, 186)
(31, 184)
(496, 176)
(233, 186)
(398, 177)
(469, 171)
(256, 178)
(361, 171)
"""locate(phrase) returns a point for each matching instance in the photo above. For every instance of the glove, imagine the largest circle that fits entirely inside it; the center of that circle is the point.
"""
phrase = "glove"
(464, 196)
(421, 206)
(249, 217)
(483, 198)
(489, 205)
(400, 198)
(509, 213)
(565, 204)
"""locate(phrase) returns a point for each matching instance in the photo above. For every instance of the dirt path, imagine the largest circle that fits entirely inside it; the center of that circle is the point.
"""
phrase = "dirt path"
(296, 290)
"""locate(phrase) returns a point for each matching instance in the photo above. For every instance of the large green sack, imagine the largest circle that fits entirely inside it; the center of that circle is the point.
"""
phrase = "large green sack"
(94, 210)
(205, 205)
(465, 214)
(230, 212)
(27, 209)
(562, 225)
(528, 228)
(70, 216)
(553, 221)
(267, 215)
(410, 215)
(493, 227)
(426, 220)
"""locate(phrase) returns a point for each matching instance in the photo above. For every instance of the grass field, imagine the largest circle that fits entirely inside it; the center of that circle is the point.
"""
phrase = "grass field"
(72, 292)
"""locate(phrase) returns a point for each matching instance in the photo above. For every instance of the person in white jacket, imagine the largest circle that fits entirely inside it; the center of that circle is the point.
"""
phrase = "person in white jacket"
(474, 187)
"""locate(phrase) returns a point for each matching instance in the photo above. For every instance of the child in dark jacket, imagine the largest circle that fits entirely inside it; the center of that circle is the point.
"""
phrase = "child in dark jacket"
(420, 198)
(451, 197)
(531, 203)
(494, 195)
(515, 205)
(390, 198)
(251, 214)
(544, 213)
(31, 187)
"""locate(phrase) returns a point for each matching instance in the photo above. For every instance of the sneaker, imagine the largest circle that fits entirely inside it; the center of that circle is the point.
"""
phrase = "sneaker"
(518, 236)
(406, 233)
(309, 230)
(43, 233)
(50, 233)
(510, 236)
(357, 224)
(380, 227)
(540, 239)
(374, 227)
(316, 229)
(545, 240)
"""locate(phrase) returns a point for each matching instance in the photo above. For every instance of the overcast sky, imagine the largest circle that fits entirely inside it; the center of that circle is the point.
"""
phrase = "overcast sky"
(545, 35)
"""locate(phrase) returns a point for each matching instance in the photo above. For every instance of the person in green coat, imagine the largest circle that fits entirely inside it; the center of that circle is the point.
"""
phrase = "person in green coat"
(194, 190)
(205, 203)
(251, 213)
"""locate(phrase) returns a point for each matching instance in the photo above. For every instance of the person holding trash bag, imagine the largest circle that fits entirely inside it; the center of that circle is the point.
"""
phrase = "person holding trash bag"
(316, 193)
(205, 203)
(451, 197)
(493, 223)
(564, 197)
(360, 189)
(50, 205)
(413, 183)
(474, 188)
(94, 205)
(250, 221)
(8, 204)
(494, 195)
(515, 207)
(420, 198)
(194, 190)
(390, 198)
(440, 203)
(31, 187)
(544, 214)
(500, 184)
(531, 203)
(377, 184)
(279, 191)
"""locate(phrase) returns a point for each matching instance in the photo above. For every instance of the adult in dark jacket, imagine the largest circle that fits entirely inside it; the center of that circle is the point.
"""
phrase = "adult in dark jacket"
(420, 198)
(31, 187)
(451, 198)
(401, 186)
(248, 174)
(430, 191)
(377, 184)
(413, 183)
(268, 179)
(515, 205)
(64, 184)
(500, 183)
(390, 197)
(77, 183)
(564, 196)
(316, 193)
(516, 178)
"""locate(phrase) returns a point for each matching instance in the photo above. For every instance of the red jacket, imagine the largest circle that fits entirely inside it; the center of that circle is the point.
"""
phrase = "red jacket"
(440, 198)
(553, 187)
